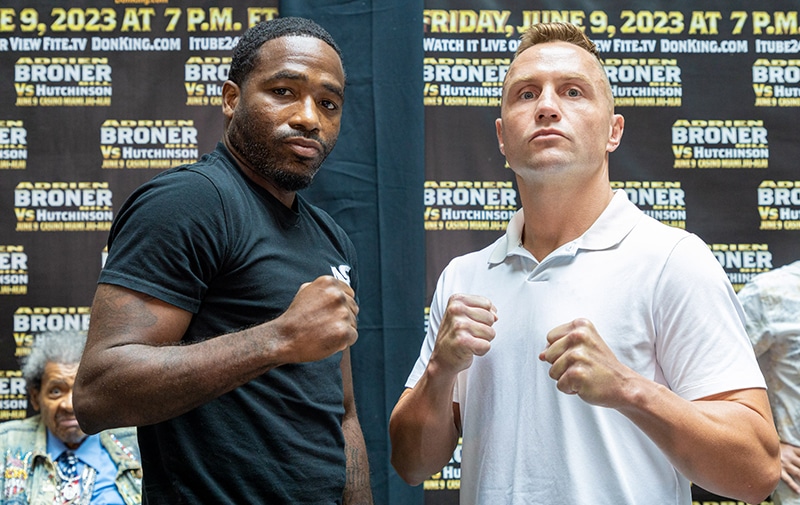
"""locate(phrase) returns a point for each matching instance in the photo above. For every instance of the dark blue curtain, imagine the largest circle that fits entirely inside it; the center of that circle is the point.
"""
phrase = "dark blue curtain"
(372, 185)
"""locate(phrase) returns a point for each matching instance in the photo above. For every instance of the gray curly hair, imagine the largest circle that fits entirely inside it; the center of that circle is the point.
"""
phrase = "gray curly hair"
(63, 347)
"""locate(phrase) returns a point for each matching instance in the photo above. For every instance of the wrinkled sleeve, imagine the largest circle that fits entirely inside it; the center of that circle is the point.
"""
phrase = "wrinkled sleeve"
(701, 343)
(168, 240)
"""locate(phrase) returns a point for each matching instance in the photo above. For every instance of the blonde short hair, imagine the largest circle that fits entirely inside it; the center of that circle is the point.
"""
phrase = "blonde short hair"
(556, 32)
(564, 32)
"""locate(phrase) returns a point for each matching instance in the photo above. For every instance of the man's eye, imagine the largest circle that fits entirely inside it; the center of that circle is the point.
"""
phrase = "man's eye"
(528, 95)
(329, 105)
(281, 91)
(573, 92)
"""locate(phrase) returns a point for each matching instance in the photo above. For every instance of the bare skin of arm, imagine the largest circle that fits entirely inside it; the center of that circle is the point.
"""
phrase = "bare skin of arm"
(357, 490)
(134, 349)
(425, 424)
(734, 427)
(424, 430)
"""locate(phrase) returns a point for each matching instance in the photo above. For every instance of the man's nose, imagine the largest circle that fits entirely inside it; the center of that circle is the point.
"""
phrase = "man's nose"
(548, 106)
(306, 115)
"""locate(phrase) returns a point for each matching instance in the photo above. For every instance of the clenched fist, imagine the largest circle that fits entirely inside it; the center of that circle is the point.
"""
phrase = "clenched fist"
(466, 331)
(320, 321)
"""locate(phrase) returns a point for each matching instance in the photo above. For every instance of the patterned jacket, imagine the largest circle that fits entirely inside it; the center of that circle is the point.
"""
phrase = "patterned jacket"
(28, 475)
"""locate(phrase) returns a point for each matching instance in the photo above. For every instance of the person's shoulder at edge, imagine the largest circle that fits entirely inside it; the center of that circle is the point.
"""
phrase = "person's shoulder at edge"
(28, 424)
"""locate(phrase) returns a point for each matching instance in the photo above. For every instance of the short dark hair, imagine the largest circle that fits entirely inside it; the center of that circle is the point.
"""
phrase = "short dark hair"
(245, 53)
(64, 347)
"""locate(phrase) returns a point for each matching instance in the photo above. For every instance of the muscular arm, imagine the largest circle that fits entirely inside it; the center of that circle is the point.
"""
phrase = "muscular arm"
(135, 371)
(424, 429)
(357, 490)
(425, 424)
(725, 443)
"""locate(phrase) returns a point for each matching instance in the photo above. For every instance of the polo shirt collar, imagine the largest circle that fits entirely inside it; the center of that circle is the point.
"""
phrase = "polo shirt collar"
(613, 225)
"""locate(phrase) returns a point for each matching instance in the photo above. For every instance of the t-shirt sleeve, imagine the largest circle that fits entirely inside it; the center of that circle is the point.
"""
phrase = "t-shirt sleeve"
(168, 239)
(702, 346)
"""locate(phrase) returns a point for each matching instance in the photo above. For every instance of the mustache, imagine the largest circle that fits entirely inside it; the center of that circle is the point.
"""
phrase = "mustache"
(293, 133)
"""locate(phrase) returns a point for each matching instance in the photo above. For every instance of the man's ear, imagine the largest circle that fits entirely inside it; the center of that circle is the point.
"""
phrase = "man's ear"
(498, 125)
(230, 97)
(615, 133)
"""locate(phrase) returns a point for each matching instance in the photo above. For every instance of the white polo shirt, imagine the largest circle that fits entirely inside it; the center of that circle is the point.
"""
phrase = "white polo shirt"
(663, 304)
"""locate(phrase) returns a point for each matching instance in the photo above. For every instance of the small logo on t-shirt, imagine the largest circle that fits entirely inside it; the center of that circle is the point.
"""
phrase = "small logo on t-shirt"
(342, 272)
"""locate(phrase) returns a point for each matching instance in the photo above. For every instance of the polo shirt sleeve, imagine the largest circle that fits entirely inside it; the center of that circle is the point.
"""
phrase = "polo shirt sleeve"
(701, 343)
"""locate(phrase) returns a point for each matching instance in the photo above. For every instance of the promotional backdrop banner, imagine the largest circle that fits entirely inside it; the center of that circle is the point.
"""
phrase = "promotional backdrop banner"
(710, 92)
(99, 96)
(95, 98)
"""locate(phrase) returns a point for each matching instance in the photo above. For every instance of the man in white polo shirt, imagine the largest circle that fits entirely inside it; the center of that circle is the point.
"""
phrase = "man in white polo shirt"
(591, 355)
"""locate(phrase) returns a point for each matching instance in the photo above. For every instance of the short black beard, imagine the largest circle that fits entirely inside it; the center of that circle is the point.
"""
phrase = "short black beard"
(288, 181)
(263, 160)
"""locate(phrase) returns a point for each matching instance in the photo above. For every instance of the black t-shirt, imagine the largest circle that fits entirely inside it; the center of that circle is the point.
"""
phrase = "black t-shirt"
(205, 238)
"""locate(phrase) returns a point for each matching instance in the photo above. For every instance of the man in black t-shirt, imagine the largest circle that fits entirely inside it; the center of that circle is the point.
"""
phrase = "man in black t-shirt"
(225, 311)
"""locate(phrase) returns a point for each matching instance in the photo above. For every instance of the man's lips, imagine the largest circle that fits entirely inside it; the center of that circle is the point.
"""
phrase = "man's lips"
(304, 147)
(547, 133)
